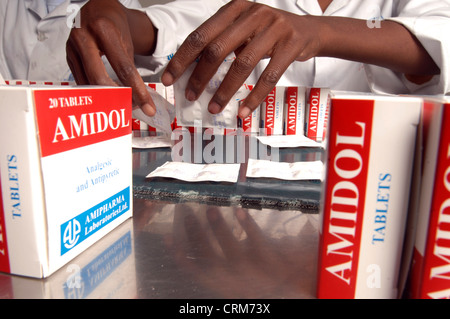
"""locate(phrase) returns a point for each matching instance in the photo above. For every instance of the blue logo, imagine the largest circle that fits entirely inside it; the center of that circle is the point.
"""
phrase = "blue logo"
(81, 227)
(71, 234)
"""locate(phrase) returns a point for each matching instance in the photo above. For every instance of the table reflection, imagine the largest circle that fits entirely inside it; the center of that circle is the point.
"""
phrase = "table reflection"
(201, 251)
(189, 250)
(105, 270)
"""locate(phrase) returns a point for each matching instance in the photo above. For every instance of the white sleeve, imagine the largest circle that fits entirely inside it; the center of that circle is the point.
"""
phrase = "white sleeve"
(429, 22)
(133, 4)
(174, 22)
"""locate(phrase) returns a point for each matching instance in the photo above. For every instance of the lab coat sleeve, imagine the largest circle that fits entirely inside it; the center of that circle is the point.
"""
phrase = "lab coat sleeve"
(174, 22)
(134, 4)
(429, 22)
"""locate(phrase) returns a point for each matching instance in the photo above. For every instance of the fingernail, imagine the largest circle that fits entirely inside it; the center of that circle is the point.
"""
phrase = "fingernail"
(244, 112)
(167, 79)
(148, 109)
(191, 96)
(214, 108)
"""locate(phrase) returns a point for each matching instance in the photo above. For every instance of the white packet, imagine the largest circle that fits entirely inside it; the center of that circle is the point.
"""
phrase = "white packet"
(289, 141)
(145, 142)
(312, 170)
(198, 172)
(190, 113)
(2, 81)
(165, 113)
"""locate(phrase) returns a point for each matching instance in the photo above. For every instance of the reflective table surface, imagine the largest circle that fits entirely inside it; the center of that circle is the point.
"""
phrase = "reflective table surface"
(189, 250)
(177, 248)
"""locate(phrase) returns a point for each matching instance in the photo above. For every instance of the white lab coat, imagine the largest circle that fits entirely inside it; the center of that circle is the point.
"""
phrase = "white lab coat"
(428, 20)
(33, 41)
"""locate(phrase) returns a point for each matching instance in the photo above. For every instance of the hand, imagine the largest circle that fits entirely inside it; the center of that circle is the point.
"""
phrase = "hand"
(253, 31)
(108, 28)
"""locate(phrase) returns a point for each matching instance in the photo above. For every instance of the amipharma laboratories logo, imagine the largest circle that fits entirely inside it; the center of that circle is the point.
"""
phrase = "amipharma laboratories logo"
(82, 226)
(71, 233)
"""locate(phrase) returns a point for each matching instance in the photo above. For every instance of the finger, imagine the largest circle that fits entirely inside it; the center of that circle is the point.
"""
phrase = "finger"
(75, 65)
(240, 70)
(196, 42)
(282, 57)
(118, 51)
(244, 28)
(88, 59)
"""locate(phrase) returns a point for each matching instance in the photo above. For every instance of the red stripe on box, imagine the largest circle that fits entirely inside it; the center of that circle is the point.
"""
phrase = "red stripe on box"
(269, 112)
(4, 256)
(313, 113)
(436, 277)
(69, 119)
(292, 109)
(344, 200)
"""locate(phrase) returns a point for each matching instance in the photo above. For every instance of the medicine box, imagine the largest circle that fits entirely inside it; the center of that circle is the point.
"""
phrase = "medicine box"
(430, 272)
(371, 146)
(66, 172)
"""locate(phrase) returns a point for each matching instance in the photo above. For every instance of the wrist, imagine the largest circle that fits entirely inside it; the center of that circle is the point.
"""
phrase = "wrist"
(143, 33)
(334, 36)
(319, 41)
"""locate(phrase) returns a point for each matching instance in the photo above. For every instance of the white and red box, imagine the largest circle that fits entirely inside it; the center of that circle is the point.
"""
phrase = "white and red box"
(370, 160)
(251, 124)
(66, 172)
(431, 258)
(317, 113)
(294, 110)
(272, 111)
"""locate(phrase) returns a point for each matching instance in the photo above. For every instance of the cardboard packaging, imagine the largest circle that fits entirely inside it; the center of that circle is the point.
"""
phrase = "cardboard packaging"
(431, 257)
(66, 172)
(272, 111)
(317, 113)
(371, 146)
(252, 122)
(294, 110)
